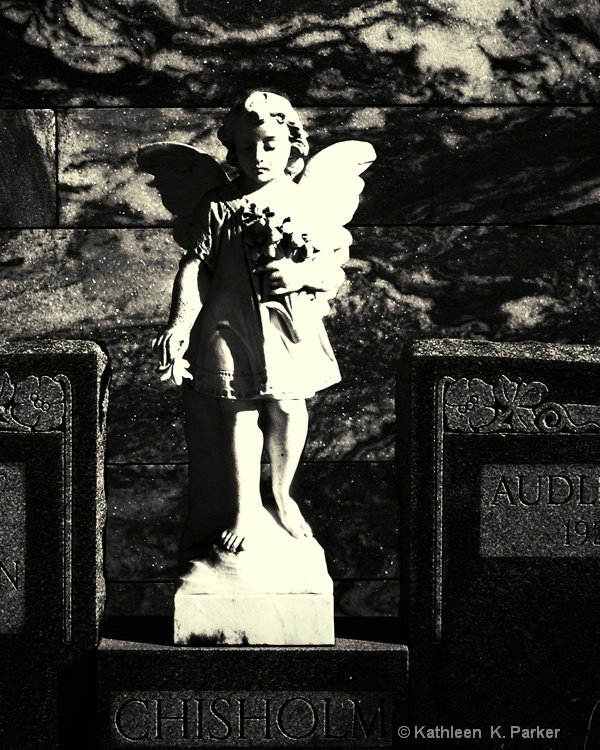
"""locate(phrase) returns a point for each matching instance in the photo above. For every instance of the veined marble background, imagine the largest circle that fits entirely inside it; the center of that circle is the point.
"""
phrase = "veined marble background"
(478, 220)
(190, 52)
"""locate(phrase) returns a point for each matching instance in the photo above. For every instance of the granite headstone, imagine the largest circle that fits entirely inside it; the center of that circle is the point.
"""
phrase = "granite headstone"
(53, 400)
(499, 473)
(351, 695)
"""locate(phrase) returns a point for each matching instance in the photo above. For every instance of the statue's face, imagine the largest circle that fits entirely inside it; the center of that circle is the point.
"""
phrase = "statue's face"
(263, 151)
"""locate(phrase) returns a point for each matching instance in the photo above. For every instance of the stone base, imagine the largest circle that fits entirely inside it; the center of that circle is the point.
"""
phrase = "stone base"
(47, 693)
(271, 619)
(276, 593)
(350, 695)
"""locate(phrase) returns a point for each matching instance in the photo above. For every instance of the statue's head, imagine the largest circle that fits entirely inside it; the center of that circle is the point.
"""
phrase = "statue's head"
(261, 109)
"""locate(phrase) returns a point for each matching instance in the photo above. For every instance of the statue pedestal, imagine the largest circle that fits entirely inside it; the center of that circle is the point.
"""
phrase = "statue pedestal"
(277, 593)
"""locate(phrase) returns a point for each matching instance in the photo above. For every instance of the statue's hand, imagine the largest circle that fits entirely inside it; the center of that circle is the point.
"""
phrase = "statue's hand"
(285, 275)
(170, 346)
(177, 371)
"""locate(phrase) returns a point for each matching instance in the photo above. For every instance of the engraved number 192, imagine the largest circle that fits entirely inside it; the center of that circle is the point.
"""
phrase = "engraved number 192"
(578, 533)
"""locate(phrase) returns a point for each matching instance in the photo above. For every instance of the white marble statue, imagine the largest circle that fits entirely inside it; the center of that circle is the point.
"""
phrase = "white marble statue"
(245, 336)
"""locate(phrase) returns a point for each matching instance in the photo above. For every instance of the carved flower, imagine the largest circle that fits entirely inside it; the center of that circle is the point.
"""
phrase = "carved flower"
(7, 389)
(469, 404)
(39, 402)
(517, 400)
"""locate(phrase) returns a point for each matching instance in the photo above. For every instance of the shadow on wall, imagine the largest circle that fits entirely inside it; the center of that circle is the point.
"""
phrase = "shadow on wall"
(28, 169)
(189, 51)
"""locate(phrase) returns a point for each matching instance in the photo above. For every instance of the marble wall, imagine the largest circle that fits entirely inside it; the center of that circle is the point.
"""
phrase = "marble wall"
(190, 52)
(435, 164)
(28, 194)
(477, 221)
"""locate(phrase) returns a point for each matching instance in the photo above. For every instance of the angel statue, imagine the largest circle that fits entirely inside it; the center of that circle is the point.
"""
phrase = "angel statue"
(245, 336)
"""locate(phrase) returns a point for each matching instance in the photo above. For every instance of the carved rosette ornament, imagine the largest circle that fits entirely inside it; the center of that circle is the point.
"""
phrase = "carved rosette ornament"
(476, 407)
(32, 404)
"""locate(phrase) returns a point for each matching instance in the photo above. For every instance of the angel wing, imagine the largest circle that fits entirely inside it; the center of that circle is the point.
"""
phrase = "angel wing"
(182, 175)
(326, 197)
(330, 185)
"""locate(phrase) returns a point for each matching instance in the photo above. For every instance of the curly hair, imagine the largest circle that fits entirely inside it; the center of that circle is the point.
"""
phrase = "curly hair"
(255, 107)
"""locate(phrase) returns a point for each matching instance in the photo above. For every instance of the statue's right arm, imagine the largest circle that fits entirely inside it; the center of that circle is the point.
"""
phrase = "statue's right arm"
(189, 291)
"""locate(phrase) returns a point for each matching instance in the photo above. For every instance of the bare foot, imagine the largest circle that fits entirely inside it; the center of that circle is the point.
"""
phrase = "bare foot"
(292, 520)
(235, 538)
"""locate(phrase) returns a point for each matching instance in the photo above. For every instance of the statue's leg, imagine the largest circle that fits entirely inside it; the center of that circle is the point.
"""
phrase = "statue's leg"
(286, 427)
(224, 446)
(241, 447)
(209, 508)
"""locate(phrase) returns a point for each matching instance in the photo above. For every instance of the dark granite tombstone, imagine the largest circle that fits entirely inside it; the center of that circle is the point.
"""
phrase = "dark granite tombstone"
(499, 467)
(351, 695)
(53, 399)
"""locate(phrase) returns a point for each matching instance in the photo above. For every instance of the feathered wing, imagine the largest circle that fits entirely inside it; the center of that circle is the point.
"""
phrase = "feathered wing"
(328, 194)
(330, 185)
(182, 175)
(326, 198)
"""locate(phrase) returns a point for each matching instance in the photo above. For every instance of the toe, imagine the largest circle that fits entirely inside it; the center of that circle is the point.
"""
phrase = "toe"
(228, 540)
(240, 543)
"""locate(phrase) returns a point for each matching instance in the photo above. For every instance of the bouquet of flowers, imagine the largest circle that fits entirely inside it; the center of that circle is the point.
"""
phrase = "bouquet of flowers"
(269, 237)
